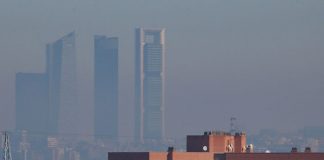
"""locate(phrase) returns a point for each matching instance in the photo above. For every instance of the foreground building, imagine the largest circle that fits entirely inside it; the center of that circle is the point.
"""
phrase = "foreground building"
(216, 146)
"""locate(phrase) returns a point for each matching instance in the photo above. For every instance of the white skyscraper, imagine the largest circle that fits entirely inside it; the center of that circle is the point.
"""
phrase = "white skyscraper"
(149, 84)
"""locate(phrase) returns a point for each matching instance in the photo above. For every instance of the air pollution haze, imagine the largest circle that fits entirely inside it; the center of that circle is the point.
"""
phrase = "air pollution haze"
(257, 60)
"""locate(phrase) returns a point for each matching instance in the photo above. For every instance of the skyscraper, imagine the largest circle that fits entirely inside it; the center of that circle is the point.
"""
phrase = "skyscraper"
(32, 102)
(106, 87)
(149, 83)
(61, 70)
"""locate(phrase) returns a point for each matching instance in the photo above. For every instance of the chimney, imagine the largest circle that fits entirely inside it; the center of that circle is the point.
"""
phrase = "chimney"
(308, 150)
(250, 148)
(294, 150)
(170, 149)
(170, 153)
(239, 142)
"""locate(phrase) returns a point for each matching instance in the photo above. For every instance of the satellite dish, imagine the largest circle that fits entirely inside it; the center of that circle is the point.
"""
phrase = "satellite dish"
(205, 148)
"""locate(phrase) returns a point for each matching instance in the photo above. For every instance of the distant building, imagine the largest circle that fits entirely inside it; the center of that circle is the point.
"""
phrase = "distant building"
(32, 109)
(216, 146)
(149, 84)
(313, 131)
(61, 70)
(106, 87)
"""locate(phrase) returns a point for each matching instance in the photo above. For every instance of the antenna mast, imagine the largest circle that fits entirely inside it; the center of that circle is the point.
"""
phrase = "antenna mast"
(233, 128)
(6, 147)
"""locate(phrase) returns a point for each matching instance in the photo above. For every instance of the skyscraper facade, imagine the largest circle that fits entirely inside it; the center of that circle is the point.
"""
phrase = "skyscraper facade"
(61, 70)
(106, 87)
(149, 83)
(32, 102)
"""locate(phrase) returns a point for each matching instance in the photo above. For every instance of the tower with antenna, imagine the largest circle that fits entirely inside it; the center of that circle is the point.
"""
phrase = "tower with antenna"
(233, 126)
(6, 152)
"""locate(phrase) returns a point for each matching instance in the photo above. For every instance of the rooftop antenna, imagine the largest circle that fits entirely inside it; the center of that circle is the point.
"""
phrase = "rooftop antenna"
(233, 125)
(6, 147)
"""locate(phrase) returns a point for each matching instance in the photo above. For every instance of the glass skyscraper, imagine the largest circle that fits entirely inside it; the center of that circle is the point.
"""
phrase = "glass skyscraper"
(149, 84)
(61, 70)
(106, 87)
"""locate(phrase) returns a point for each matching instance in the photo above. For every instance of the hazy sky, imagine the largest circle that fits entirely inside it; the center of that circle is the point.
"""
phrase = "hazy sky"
(261, 61)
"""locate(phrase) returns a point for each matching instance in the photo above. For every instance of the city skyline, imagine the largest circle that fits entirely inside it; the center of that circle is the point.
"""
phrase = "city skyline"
(81, 78)
(59, 93)
(253, 60)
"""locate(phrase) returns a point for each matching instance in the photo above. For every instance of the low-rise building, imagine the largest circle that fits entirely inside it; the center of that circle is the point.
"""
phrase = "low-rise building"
(216, 146)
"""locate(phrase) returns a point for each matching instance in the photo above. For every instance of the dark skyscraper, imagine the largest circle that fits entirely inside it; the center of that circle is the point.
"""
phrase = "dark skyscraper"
(32, 102)
(149, 83)
(61, 70)
(106, 87)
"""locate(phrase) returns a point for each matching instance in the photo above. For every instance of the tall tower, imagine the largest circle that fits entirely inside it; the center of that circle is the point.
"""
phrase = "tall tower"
(149, 83)
(61, 70)
(106, 87)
